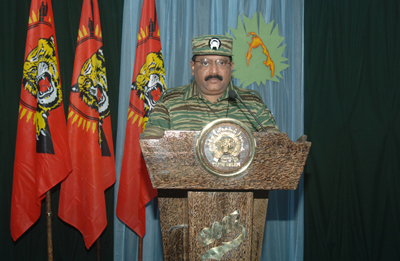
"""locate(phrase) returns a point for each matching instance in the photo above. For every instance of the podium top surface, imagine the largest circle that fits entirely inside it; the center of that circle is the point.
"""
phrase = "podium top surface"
(172, 163)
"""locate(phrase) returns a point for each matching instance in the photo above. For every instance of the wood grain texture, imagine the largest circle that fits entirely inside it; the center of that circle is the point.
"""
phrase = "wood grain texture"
(172, 163)
(207, 208)
(259, 216)
(191, 199)
(174, 227)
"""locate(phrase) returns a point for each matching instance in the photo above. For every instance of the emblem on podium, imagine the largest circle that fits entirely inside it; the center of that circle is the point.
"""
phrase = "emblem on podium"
(225, 147)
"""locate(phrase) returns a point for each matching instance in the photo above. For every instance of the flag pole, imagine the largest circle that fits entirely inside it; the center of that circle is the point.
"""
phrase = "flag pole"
(98, 249)
(140, 255)
(49, 227)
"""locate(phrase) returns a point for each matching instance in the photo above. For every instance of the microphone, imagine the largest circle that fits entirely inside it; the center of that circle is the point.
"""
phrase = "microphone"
(232, 94)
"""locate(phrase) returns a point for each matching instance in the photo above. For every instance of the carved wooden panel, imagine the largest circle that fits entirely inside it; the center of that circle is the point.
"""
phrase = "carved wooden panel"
(220, 225)
(174, 228)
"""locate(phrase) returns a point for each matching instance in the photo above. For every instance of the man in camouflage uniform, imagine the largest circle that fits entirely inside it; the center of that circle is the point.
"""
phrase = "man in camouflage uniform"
(193, 106)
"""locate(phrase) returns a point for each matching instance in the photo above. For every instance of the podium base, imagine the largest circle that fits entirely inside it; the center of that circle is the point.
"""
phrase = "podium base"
(198, 225)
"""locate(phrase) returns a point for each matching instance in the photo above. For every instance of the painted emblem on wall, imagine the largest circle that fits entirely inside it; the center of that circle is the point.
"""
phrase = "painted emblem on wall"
(225, 147)
(257, 50)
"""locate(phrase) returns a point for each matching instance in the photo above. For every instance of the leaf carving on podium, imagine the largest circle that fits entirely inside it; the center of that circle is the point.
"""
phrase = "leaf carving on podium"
(217, 230)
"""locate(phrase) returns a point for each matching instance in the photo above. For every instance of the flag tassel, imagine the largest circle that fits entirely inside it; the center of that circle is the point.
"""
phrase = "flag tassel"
(49, 227)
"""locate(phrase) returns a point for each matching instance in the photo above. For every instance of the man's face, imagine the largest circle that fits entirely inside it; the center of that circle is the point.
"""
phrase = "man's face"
(213, 80)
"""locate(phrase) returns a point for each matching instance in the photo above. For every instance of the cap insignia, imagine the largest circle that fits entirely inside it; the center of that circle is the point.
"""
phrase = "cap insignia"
(214, 43)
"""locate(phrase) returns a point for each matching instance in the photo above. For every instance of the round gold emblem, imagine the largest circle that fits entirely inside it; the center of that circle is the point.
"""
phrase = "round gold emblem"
(225, 147)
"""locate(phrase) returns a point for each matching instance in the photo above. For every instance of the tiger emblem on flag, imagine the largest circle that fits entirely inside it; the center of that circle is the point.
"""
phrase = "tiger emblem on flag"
(150, 82)
(41, 79)
(92, 88)
(92, 84)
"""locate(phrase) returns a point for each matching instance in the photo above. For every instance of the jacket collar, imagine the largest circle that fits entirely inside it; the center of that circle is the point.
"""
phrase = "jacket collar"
(192, 92)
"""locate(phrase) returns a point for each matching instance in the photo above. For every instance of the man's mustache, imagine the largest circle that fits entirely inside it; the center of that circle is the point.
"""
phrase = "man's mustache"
(219, 77)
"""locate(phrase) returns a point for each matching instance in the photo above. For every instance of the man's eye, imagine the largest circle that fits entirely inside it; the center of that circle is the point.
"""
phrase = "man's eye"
(221, 63)
(205, 63)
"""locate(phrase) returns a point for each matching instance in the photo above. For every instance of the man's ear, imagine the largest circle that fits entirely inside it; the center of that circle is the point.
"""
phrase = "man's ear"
(232, 66)
(192, 66)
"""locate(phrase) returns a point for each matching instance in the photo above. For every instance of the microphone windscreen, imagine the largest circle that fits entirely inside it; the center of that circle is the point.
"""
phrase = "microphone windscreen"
(232, 94)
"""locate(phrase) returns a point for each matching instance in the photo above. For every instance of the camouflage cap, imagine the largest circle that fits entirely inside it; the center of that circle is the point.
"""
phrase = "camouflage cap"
(212, 44)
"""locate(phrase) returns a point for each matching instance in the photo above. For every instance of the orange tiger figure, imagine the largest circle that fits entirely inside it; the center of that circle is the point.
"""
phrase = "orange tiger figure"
(256, 42)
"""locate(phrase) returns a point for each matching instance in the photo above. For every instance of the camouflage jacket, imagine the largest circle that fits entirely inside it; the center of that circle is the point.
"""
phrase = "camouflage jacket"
(184, 108)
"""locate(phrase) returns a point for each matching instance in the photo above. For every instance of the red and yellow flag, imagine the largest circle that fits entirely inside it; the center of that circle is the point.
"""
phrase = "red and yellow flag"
(82, 200)
(148, 83)
(42, 156)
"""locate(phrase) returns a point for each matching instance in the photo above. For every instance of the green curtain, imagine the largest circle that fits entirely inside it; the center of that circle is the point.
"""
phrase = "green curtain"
(67, 241)
(352, 118)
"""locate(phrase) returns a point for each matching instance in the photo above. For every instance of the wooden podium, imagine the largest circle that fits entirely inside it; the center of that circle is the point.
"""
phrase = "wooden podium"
(208, 217)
